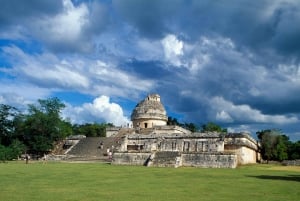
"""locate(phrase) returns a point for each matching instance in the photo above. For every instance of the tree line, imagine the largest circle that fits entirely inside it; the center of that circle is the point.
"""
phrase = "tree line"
(208, 127)
(36, 130)
(276, 146)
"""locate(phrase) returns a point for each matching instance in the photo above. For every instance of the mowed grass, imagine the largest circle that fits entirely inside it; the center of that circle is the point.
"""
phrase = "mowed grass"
(57, 181)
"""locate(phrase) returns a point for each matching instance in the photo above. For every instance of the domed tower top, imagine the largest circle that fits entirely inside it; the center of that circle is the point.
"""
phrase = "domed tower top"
(149, 112)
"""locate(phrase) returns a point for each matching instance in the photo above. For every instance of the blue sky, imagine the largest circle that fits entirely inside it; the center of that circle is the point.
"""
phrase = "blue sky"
(235, 63)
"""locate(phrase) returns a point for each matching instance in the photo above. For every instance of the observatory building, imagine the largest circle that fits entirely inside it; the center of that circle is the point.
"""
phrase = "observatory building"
(151, 142)
(149, 113)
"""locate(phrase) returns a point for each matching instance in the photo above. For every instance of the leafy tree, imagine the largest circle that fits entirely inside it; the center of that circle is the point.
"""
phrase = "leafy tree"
(10, 146)
(212, 127)
(91, 130)
(65, 129)
(274, 145)
(172, 121)
(294, 151)
(12, 151)
(43, 125)
(7, 115)
(190, 126)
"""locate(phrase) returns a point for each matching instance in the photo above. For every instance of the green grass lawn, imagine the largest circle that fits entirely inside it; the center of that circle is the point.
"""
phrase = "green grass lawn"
(95, 181)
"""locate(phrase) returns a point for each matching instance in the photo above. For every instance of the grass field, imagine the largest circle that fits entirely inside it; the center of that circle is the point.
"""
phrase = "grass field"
(94, 181)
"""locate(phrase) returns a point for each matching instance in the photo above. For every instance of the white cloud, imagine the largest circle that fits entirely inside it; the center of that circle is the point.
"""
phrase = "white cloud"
(65, 29)
(239, 128)
(46, 70)
(223, 116)
(226, 110)
(173, 49)
(112, 76)
(75, 73)
(100, 110)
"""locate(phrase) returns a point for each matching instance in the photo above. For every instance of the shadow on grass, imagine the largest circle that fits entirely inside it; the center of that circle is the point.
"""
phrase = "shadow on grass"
(272, 177)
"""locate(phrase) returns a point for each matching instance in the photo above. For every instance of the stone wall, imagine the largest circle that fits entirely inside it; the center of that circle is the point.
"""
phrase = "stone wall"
(244, 146)
(245, 155)
(165, 159)
(174, 159)
(209, 160)
(291, 162)
(175, 142)
(111, 131)
(130, 158)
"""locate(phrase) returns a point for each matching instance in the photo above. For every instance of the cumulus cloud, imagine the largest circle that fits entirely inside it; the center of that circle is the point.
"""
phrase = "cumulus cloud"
(100, 110)
(173, 49)
(64, 29)
(59, 25)
(227, 111)
(85, 75)
(45, 70)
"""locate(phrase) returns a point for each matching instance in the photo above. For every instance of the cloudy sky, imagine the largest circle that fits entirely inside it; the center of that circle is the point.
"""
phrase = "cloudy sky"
(232, 62)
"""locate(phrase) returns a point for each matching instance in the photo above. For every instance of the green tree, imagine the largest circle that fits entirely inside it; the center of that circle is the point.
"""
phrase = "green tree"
(172, 121)
(10, 146)
(7, 128)
(190, 126)
(273, 144)
(212, 127)
(91, 130)
(294, 150)
(13, 151)
(43, 125)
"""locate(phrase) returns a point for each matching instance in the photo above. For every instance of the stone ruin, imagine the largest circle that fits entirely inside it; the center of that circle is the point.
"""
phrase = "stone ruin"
(151, 142)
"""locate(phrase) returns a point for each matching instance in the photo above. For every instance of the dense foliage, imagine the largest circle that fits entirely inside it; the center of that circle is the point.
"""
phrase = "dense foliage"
(189, 126)
(277, 146)
(36, 131)
(212, 127)
(209, 127)
(90, 130)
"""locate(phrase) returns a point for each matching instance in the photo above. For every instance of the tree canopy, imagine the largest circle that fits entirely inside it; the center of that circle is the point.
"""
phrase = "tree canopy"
(43, 125)
(276, 146)
(212, 127)
(189, 126)
(37, 130)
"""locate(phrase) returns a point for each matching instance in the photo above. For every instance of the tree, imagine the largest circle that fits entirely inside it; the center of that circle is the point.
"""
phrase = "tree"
(294, 150)
(212, 127)
(273, 144)
(91, 130)
(10, 146)
(190, 126)
(43, 125)
(13, 151)
(172, 121)
(7, 115)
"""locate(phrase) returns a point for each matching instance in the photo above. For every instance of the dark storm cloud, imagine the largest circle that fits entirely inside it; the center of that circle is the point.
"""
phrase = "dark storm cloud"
(147, 69)
(15, 11)
(152, 18)
(59, 25)
(256, 24)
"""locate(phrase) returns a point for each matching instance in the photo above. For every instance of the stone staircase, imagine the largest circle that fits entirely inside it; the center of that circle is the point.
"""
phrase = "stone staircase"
(166, 159)
(89, 149)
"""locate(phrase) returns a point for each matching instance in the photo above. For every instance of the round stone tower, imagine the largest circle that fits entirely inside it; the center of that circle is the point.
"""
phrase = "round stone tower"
(149, 113)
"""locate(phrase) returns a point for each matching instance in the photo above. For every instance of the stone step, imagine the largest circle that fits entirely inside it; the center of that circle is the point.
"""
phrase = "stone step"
(92, 147)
